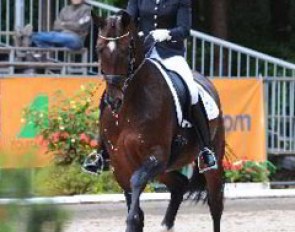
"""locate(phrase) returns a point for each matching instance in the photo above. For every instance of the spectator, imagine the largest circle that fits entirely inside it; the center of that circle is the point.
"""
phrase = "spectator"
(70, 28)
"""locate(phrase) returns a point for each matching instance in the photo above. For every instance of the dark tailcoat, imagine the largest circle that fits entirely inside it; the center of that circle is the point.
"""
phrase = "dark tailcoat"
(174, 15)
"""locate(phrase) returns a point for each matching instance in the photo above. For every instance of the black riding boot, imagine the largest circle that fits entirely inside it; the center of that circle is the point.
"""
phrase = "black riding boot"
(206, 158)
(97, 161)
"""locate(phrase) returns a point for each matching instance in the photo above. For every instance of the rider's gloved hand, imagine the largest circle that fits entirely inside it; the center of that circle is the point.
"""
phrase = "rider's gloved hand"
(161, 35)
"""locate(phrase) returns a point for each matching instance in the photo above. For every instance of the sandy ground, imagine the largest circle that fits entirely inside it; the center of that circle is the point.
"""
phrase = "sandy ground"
(259, 215)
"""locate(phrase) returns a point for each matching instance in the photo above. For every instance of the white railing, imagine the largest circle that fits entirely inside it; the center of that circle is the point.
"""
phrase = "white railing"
(216, 57)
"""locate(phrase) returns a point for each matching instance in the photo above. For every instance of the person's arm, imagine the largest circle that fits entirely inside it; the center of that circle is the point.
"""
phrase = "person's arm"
(80, 24)
(57, 26)
(184, 21)
(132, 9)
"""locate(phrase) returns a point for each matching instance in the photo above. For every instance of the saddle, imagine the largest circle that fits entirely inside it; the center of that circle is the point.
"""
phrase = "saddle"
(182, 95)
(182, 91)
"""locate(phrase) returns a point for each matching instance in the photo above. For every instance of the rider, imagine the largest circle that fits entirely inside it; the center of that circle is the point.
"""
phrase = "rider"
(169, 22)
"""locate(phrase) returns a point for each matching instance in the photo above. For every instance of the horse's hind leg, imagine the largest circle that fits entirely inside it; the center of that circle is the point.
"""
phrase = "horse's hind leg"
(150, 168)
(215, 184)
(177, 185)
(215, 198)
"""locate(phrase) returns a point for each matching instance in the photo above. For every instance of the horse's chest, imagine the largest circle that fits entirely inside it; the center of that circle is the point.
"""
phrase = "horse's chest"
(111, 131)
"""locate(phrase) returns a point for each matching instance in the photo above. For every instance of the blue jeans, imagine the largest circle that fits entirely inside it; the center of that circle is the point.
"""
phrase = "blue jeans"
(57, 39)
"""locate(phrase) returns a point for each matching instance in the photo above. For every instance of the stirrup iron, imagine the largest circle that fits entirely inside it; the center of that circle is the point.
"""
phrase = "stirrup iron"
(200, 157)
(94, 160)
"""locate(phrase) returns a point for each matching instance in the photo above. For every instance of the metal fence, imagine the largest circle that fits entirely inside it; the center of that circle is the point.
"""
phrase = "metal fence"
(210, 56)
(280, 107)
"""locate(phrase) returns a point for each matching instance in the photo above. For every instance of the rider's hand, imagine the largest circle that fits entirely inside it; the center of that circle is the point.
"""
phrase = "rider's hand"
(161, 35)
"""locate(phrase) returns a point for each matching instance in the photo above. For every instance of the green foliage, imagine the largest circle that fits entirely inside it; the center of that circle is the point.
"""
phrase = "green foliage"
(69, 129)
(248, 171)
(16, 183)
(70, 180)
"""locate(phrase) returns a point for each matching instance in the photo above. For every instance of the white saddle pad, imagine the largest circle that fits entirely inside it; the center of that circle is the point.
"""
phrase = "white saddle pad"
(211, 107)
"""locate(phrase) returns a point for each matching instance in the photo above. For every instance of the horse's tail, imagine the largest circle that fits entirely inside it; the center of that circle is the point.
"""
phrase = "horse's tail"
(197, 187)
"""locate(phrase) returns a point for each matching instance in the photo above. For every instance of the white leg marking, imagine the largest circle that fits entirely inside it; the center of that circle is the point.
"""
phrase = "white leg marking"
(112, 45)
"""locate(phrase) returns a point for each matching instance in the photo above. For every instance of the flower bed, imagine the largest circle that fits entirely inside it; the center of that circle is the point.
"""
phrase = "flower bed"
(69, 129)
(248, 171)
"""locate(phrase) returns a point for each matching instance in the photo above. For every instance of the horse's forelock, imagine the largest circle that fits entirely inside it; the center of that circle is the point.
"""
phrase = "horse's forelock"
(114, 27)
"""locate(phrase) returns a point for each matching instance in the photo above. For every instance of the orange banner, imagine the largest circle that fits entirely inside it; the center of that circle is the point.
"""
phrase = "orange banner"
(241, 99)
(18, 93)
(242, 103)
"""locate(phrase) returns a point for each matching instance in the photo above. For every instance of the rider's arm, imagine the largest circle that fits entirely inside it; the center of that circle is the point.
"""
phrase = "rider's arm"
(133, 10)
(184, 21)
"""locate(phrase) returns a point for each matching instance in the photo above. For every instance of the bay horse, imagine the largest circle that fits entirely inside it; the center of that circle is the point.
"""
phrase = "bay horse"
(139, 127)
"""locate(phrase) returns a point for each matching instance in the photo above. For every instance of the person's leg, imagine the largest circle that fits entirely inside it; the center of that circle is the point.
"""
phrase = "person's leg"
(103, 163)
(60, 39)
(206, 158)
(43, 39)
(200, 121)
(67, 40)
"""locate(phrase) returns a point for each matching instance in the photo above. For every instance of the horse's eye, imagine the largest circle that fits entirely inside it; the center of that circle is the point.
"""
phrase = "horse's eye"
(99, 49)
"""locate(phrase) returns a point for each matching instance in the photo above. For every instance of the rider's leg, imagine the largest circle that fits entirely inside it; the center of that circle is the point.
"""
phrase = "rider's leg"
(199, 116)
(206, 159)
(101, 149)
(102, 163)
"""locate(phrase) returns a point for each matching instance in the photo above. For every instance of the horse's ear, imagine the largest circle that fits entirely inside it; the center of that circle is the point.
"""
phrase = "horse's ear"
(125, 18)
(98, 21)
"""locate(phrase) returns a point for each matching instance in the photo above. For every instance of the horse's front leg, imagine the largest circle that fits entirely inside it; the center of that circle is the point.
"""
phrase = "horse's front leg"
(150, 168)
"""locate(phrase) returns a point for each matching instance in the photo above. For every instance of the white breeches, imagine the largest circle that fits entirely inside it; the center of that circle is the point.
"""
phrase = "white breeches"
(179, 65)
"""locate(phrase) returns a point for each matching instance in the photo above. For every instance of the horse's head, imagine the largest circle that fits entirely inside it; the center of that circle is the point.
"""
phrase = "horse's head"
(120, 53)
(117, 45)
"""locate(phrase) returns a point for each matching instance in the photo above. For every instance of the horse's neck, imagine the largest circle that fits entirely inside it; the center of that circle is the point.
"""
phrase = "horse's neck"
(147, 93)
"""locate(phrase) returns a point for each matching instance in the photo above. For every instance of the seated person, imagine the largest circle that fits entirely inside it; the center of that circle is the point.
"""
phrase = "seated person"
(70, 28)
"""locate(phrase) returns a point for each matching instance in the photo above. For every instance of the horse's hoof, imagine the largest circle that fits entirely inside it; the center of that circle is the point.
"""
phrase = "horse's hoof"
(165, 229)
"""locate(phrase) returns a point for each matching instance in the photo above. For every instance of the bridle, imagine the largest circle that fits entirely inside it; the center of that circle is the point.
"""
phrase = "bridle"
(119, 80)
(114, 38)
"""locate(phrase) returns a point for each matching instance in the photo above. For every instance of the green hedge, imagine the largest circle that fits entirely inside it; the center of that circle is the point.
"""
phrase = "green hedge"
(70, 180)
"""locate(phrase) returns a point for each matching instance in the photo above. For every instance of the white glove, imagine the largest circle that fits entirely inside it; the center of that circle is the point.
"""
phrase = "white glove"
(140, 34)
(161, 35)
